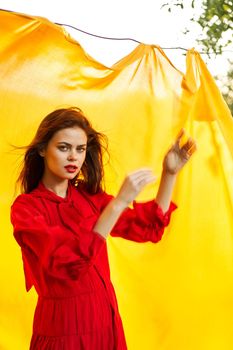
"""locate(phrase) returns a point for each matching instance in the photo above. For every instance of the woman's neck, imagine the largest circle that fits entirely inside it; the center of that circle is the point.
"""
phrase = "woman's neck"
(58, 187)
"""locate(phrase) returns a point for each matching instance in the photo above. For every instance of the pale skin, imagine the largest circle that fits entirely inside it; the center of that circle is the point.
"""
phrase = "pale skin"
(68, 146)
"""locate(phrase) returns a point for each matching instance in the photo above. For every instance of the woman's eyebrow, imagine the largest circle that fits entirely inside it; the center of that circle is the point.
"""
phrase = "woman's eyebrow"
(68, 144)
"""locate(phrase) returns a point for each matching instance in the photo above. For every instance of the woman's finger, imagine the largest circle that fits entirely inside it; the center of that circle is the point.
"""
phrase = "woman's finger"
(139, 171)
(176, 144)
(140, 182)
(192, 149)
(187, 152)
(146, 180)
(180, 135)
(136, 178)
(190, 146)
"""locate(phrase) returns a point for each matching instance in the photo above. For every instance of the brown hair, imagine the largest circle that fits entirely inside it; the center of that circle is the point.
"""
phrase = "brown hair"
(92, 168)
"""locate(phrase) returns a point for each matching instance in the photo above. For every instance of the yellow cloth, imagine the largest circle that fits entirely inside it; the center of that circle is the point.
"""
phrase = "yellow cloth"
(177, 294)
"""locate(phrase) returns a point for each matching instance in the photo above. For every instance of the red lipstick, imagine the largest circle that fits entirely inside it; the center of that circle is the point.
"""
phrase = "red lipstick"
(71, 168)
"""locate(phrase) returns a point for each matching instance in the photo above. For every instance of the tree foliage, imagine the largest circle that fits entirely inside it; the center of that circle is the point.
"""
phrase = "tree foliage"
(227, 86)
(217, 24)
(216, 21)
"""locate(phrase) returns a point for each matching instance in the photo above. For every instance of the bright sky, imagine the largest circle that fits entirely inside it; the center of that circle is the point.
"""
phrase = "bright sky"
(142, 20)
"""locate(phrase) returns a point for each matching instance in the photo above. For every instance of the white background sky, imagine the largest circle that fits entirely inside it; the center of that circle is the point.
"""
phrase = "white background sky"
(143, 20)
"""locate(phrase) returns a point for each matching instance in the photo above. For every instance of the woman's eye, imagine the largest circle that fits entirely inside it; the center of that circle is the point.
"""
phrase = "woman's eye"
(80, 150)
(62, 148)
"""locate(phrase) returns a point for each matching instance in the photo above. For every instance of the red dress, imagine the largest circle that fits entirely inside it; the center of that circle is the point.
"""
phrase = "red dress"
(67, 263)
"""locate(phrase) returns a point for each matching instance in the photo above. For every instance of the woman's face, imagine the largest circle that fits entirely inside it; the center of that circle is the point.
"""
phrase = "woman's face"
(65, 154)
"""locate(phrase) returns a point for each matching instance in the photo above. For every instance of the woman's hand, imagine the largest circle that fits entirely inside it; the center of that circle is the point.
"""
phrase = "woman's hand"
(178, 156)
(133, 185)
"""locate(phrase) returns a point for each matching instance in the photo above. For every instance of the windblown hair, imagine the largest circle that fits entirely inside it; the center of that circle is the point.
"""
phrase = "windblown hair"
(92, 168)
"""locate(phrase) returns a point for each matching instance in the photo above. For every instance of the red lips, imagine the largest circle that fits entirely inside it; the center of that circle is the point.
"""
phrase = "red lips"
(71, 168)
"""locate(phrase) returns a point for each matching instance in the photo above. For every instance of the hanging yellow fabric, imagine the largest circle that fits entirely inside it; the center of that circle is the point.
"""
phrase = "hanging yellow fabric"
(176, 294)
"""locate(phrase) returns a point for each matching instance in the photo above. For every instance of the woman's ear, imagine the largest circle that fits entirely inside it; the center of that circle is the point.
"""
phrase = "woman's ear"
(41, 152)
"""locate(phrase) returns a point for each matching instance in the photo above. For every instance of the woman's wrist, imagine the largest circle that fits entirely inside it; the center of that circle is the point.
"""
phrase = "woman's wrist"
(167, 182)
(169, 174)
(109, 216)
(119, 204)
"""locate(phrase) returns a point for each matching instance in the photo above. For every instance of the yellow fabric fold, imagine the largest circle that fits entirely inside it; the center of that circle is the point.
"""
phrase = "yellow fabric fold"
(176, 294)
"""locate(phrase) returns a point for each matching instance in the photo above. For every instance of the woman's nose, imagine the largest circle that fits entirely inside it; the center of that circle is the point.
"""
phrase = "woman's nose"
(72, 155)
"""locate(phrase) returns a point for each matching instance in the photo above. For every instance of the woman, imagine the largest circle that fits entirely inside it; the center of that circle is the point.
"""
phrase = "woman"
(61, 224)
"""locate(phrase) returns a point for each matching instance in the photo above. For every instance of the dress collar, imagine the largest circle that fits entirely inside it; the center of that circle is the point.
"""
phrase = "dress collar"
(44, 192)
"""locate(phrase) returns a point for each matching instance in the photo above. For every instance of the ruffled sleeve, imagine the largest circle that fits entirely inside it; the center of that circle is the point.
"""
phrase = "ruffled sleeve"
(144, 222)
(57, 250)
